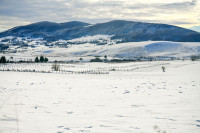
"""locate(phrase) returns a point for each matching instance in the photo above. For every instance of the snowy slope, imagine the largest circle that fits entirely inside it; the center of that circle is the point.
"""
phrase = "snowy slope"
(122, 50)
(98, 45)
(144, 100)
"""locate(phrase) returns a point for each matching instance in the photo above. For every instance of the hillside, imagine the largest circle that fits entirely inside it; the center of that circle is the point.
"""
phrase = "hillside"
(87, 51)
(43, 29)
(126, 31)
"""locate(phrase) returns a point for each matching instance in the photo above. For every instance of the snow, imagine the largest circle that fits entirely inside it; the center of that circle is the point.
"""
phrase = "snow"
(95, 39)
(135, 98)
(91, 38)
(7, 37)
(121, 50)
(98, 45)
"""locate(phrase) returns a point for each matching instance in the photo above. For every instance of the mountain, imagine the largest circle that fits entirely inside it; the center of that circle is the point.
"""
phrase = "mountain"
(126, 31)
(42, 29)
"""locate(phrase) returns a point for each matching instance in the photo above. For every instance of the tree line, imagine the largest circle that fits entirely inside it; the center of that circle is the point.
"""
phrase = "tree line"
(41, 59)
(195, 57)
(37, 59)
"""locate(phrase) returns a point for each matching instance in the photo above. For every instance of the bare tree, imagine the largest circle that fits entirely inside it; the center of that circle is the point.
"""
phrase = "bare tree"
(163, 68)
(55, 67)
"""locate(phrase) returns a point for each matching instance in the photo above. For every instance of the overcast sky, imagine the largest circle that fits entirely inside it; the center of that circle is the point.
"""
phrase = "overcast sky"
(184, 13)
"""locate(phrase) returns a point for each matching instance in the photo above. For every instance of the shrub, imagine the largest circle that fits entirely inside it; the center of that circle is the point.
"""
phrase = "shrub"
(96, 60)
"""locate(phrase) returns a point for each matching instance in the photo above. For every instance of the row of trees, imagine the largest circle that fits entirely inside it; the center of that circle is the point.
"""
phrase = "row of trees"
(195, 57)
(97, 59)
(41, 59)
(37, 59)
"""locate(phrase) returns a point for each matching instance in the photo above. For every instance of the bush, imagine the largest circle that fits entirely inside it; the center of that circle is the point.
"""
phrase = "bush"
(96, 60)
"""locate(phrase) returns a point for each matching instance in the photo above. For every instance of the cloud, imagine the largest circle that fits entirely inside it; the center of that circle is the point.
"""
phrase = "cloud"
(188, 5)
(19, 12)
(196, 28)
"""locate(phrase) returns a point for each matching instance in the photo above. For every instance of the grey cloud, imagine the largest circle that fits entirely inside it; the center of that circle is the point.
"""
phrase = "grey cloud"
(181, 22)
(34, 11)
(165, 8)
(180, 6)
(85, 10)
(196, 28)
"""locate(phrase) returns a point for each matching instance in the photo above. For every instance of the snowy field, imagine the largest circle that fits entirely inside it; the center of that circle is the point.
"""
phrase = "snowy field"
(135, 98)
(88, 51)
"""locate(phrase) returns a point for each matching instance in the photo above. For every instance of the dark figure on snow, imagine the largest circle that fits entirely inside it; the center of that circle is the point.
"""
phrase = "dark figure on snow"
(163, 68)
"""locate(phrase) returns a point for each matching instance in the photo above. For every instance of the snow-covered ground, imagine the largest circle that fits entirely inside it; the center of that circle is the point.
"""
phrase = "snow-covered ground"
(127, 100)
(88, 47)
